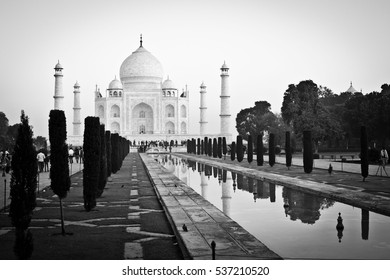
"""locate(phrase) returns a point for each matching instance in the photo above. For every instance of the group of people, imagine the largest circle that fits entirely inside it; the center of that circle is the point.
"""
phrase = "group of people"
(43, 161)
(76, 153)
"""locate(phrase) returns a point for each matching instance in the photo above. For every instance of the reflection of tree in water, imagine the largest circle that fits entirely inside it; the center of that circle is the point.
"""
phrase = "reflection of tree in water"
(262, 189)
(302, 206)
(192, 165)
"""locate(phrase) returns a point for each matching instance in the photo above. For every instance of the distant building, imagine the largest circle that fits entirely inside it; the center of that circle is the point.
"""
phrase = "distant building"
(351, 89)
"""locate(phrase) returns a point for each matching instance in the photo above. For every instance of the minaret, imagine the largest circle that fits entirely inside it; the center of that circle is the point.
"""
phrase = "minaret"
(202, 109)
(226, 192)
(204, 185)
(225, 107)
(76, 110)
(58, 94)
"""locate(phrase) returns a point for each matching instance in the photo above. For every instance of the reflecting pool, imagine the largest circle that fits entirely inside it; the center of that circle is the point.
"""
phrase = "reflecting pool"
(293, 224)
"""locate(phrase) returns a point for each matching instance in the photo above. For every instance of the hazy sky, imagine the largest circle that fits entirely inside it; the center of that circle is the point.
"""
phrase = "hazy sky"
(267, 45)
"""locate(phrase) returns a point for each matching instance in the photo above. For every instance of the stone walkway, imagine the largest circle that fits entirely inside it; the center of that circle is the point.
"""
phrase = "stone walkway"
(197, 223)
(127, 223)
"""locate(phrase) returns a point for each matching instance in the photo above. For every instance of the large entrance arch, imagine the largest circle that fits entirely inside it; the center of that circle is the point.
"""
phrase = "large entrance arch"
(142, 119)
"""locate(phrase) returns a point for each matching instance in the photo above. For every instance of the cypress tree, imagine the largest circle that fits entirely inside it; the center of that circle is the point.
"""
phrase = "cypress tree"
(114, 152)
(224, 147)
(288, 150)
(91, 161)
(198, 146)
(219, 147)
(205, 143)
(103, 162)
(363, 152)
(210, 147)
(108, 152)
(233, 151)
(188, 146)
(260, 150)
(250, 149)
(59, 171)
(23, 187)
(271, 151)
(307, 152)
(239, 148)
(201, 147)
(215, 148)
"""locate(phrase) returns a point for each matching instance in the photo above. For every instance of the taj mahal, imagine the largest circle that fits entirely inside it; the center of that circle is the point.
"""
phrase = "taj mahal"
(140, 106)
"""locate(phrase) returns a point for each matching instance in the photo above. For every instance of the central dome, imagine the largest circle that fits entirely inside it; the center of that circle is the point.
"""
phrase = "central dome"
(141, 64)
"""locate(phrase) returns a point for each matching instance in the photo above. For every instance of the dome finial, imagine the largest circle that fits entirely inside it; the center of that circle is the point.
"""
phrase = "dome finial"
(140, 40)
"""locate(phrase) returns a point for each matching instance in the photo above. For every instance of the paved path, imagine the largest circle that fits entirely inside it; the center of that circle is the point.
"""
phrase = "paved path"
(127, 223)
(43, 182)
(204, 222)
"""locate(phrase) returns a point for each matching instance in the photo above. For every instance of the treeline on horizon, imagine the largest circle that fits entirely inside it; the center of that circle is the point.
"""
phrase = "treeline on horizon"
(335, 120)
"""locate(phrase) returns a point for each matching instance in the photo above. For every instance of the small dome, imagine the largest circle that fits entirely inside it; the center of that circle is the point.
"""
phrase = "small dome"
(202, 85)
(115, 84)
(224, 66)
(351, 89)
(58, 66)
(168, 84)
(76, 85)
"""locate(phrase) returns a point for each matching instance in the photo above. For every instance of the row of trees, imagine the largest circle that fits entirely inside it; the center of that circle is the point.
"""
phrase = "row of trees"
(333, 119)
(216, 147)
(103, 154)
(101, 151)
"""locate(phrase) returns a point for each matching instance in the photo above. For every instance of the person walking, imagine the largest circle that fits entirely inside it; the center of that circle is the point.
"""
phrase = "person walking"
(41, 160)
(47, 160)
(384, 156)
(77, 154)
(71, 154)
(4, 162)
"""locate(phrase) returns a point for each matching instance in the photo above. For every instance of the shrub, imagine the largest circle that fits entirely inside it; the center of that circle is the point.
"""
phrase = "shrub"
(114, 152)
(108, 152)
(219, 147)
(260, 150)
(103, 162)
(240, 149)
(224, 147)
(91, 161)
(215, 148)
(23, 186)
(59, 171)
(288, 150)
(307, 152)
(250, 149)
(363, 152)
(233, 151)
(271, 152)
